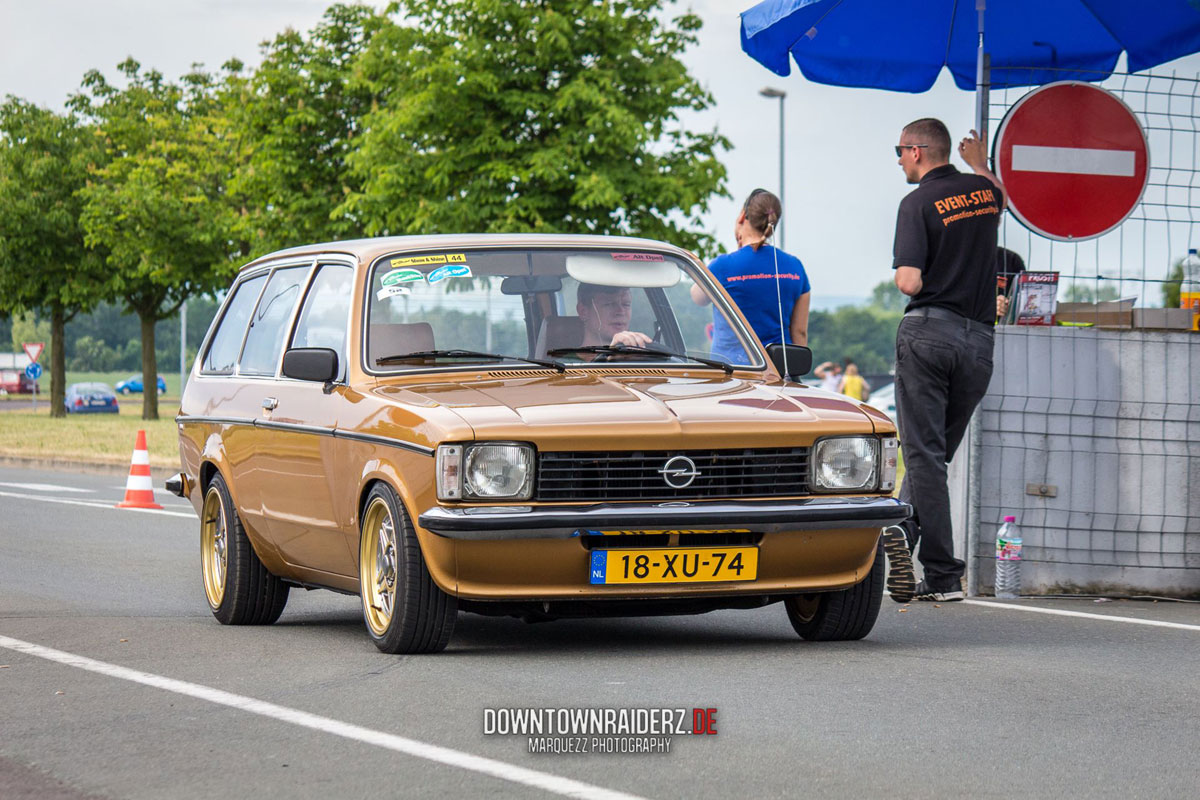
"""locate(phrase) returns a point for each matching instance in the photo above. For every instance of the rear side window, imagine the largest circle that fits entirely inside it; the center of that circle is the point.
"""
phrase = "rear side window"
(264, 342)
(227, 341)
(326, 311)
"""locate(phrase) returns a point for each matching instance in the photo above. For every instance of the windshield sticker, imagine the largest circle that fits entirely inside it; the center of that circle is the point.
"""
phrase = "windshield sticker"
(449, 271)
(424, 261)
(402, 276)
(637, 257)
(392, 291)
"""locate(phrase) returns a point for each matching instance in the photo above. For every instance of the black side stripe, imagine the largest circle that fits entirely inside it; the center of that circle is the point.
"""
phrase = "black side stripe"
(312, 430)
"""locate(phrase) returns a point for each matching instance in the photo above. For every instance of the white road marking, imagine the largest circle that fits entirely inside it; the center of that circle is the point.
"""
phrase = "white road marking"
(1060, 612)
(1073, 160)
(45, 487)
(554, 784)
(122, 488)
(98, 504)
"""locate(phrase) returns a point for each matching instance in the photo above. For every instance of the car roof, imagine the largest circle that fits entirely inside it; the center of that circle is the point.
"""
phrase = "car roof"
(367, 250)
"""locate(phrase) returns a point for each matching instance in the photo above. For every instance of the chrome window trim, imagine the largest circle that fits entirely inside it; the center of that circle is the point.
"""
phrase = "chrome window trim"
(267, 268)
(220, 318)
(317, 265)
(310, 263)
(701, 271)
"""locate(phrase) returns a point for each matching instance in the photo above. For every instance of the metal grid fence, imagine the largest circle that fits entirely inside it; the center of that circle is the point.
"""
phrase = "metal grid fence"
(1091, 437)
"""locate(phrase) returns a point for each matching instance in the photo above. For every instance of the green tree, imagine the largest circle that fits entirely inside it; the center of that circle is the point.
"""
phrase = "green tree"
(886, 297)
(300, 119)
(45, 267)
(557, 116)
(864, 334)
(161, 207)
(1173, 286)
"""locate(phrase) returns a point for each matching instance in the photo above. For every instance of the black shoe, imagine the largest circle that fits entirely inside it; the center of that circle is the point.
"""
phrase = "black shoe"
(926, 592)
(901, 582)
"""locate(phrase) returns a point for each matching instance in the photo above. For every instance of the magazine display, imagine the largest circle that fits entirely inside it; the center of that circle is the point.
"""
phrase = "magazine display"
(1036, 297)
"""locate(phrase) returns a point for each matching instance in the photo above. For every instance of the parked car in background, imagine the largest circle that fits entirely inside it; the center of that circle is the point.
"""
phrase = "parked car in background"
(14, 381)
(133, 384)
(90, 398)
(569, 447)
(884, 399)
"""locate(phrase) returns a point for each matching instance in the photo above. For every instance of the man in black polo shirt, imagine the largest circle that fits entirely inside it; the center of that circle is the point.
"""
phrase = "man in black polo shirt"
(944, 259)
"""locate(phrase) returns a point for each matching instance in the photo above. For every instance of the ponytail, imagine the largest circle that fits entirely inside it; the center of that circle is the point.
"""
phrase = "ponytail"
(762, 211)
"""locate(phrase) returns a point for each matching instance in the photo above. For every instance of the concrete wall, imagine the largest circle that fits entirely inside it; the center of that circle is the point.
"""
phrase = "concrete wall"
(1110, 422)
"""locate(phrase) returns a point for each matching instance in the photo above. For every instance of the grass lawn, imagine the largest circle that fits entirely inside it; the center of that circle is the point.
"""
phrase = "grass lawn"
(97, 438)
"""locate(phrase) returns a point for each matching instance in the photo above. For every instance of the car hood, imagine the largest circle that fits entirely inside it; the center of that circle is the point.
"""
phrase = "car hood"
(645, 409)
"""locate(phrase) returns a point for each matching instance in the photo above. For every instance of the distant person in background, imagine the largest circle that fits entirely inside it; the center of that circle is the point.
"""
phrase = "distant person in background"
(830, 375)
(1008, 266)
(769, 286)
(853, 384)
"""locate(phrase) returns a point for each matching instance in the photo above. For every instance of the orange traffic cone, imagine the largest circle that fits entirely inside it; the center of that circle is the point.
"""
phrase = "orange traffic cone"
(139, 489)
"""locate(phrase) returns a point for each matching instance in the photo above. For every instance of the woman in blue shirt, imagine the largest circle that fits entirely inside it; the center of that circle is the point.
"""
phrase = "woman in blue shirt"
(769, 286)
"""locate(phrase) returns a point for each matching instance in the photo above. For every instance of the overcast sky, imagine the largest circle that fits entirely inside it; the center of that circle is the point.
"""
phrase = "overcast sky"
(842, 181)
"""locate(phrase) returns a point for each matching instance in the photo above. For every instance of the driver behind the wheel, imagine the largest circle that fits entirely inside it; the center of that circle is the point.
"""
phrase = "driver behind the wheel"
(606, 311)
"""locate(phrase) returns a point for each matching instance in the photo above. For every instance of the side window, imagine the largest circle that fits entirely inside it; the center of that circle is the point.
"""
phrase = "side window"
(227, 341)
(326, 311)
(264, 342)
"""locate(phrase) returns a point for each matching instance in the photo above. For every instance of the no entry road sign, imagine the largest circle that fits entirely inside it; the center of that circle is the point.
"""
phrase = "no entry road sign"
(1073, 159)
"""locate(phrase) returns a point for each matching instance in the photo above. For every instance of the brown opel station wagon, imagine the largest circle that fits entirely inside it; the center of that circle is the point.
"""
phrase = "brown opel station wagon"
(528, 425)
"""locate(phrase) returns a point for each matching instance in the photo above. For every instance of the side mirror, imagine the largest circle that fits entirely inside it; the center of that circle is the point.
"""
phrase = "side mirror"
(799, 359)
(311, 364)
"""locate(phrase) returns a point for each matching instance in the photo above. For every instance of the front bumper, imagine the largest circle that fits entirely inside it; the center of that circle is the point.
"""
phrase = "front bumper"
(557, 522)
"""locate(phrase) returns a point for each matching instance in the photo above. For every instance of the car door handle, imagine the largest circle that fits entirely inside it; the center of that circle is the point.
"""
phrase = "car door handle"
(269, 403)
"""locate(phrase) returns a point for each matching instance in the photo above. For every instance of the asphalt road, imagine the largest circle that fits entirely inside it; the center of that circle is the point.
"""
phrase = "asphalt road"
(956, 700)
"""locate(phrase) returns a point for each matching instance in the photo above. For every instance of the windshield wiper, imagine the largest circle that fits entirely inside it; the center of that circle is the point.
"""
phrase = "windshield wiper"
(427, 354)
(629, 349)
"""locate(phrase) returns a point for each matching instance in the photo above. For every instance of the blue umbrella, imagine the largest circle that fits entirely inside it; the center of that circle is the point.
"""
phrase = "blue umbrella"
(880, 44)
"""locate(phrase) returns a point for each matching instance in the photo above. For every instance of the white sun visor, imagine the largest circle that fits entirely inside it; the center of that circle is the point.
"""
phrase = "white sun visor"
(629, 270)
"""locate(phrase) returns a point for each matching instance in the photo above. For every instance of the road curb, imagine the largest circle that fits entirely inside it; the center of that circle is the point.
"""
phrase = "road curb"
(157, 473)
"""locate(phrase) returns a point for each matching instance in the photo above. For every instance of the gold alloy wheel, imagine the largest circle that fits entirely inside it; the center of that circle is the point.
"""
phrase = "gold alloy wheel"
(805, 606)
(214, 547)
(377, 566)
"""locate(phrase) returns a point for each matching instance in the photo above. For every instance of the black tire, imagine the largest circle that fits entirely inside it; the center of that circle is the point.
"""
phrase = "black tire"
(839, 616)
(404, 610)
(243, 592)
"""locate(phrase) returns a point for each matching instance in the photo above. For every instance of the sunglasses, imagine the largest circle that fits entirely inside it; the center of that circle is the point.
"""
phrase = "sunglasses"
(900, 148)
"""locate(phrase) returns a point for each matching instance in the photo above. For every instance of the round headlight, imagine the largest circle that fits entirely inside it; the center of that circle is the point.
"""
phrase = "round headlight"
(844, 463)
(499, 471)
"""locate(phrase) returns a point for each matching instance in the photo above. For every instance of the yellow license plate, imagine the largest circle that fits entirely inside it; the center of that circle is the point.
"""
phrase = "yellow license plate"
(674, 565)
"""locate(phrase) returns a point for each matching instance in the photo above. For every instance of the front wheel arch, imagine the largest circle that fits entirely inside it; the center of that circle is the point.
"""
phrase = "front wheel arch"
(403, 608)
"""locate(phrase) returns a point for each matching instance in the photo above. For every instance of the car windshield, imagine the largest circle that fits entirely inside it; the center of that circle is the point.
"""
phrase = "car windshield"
(93, 388)
(578, 307)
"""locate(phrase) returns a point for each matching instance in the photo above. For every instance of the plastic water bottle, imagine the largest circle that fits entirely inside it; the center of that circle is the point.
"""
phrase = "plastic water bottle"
(1191, 271)
(1008, 560)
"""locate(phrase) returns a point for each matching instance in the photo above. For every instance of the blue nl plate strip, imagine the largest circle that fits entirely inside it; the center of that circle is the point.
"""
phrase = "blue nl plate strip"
(599, 570)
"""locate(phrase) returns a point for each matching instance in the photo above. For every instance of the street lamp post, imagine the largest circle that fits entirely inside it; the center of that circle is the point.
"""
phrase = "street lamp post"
(768, 91)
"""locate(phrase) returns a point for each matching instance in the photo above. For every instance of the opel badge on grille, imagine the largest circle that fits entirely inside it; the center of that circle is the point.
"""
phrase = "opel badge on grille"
(679, 472)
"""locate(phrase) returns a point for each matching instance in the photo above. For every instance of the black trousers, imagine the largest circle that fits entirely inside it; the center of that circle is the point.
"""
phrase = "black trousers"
(943, 368)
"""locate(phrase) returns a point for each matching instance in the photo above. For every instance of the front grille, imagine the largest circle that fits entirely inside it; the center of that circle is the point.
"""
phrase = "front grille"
(614, 476)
